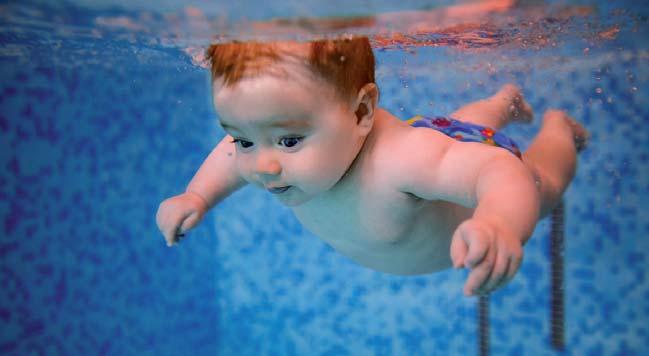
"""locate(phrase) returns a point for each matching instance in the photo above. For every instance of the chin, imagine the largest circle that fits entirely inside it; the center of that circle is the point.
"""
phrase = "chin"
(291, 203)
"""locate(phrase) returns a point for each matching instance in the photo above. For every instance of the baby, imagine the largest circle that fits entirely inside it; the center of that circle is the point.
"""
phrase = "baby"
(402, 197)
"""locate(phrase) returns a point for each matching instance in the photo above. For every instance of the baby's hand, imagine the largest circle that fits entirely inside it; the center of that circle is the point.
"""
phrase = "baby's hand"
(179, 214)
(490, 250)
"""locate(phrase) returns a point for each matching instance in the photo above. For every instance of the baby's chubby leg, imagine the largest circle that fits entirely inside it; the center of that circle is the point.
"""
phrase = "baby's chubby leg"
(505, 106)
(552, 156)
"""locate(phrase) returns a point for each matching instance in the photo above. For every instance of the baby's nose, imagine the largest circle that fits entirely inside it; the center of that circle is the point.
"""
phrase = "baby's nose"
(267, 164)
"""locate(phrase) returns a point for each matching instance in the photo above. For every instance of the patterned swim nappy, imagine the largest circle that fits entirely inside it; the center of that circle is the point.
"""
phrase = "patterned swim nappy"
(466, 132)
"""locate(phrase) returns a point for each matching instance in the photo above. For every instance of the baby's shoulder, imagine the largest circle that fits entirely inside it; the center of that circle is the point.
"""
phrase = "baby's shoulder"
(409, 143)
(403, 150)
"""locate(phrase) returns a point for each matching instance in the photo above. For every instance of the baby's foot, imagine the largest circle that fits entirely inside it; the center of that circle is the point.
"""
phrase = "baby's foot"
(578, 132)
(517, 108)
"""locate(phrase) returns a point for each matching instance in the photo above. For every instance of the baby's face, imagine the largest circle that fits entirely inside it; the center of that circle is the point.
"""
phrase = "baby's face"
(293, 135)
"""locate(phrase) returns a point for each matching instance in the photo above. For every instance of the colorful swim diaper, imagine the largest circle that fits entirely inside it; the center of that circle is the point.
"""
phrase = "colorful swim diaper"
(466, 132)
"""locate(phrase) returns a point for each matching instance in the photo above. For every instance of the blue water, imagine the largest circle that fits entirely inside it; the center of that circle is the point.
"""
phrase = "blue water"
(103, 114)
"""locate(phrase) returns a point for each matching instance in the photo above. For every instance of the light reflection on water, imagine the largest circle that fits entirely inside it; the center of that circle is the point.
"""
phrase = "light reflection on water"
(76, 34)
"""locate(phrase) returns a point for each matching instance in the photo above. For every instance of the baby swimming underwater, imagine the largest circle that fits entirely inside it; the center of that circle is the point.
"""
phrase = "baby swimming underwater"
(402, 197)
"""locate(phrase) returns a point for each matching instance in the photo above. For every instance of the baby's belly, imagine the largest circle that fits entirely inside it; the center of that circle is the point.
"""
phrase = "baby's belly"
(417, 244)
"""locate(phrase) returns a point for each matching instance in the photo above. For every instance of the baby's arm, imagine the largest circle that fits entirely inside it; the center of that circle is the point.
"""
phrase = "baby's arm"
(216, 179)
(491, 180)
(490, 243)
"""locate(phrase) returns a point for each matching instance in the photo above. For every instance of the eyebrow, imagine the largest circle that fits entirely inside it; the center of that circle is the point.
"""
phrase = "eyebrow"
(284, 124)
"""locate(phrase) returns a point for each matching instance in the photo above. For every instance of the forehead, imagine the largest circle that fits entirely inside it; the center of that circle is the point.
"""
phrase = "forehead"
(270, 98)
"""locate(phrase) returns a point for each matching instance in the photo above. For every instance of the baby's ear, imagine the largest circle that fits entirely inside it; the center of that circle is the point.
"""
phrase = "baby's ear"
(365, 105)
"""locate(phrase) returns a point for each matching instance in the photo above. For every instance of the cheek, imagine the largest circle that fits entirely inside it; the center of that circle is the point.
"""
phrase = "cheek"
(324, 165)
(244, 166)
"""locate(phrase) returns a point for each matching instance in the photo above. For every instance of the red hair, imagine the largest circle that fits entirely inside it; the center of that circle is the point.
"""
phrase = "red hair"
(347, 64)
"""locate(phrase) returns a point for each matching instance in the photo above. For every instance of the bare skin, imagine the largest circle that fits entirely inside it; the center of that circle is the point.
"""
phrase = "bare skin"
(394, 198)
(401, 243)
(497, 111)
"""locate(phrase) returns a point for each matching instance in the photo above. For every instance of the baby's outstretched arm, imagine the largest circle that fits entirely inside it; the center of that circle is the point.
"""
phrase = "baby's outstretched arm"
(490, 242)
(494, 182)
(215, 180)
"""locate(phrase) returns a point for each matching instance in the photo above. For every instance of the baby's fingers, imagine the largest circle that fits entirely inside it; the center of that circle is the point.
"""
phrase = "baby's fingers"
(172, 233)
(458, 250)
(165, 223)
(514, 265)
(480, 274)
(469, 245)
(504, 271)
(169, 221)
(178, 232)
(499, 273)
(478, 250)
(174, 236)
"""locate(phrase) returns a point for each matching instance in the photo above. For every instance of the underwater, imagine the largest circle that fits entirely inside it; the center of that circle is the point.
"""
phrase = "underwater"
(106, 110)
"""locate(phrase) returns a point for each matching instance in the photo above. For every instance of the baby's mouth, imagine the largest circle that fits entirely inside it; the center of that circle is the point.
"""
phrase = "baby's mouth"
(278, 190)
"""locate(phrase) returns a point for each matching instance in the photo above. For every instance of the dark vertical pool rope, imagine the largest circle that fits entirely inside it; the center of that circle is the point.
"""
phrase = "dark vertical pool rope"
(483, 325)
(556, 297)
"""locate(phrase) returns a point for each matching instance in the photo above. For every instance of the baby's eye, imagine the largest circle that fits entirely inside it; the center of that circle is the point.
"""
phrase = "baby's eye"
(290, 141)
(242, 143)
